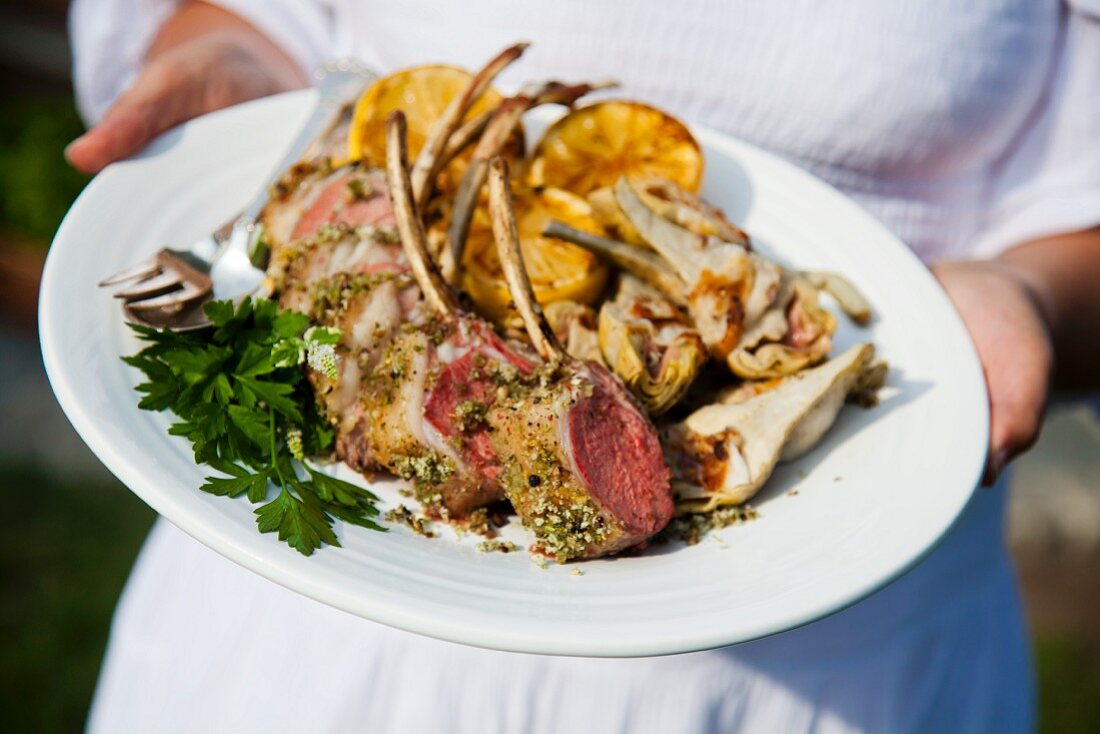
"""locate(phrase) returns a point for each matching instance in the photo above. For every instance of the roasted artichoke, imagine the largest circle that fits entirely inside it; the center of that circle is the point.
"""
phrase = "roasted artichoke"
(648, 342)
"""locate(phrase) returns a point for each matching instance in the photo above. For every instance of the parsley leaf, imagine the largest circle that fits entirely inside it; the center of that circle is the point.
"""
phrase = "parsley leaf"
(253, 484)
(241, 397)
(301, 522)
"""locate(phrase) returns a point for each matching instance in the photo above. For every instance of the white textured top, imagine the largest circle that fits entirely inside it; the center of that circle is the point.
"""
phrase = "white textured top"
(965, 127)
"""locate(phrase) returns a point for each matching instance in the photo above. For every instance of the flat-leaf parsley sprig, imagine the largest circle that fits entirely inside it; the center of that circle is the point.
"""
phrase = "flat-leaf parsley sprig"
(240, 393)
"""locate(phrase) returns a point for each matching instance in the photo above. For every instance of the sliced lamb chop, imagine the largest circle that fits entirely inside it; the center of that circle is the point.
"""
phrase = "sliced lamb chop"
(396, 391)
(584, 469)
(312, 196)
(594, 481)
(403, 397)
(313, 266)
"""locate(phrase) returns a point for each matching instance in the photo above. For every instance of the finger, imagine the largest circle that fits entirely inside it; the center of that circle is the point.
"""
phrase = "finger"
(164, 95)
(121, 133)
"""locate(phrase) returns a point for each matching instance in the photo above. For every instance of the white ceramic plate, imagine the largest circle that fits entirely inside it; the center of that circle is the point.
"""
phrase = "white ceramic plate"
(873, 499)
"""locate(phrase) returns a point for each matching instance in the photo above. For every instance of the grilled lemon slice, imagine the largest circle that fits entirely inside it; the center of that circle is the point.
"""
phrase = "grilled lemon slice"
(558, 270)
(592, 146)
(422, 93)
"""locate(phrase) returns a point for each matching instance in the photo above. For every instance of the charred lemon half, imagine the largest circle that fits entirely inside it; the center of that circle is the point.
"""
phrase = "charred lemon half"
(593, 146)
(422, 93)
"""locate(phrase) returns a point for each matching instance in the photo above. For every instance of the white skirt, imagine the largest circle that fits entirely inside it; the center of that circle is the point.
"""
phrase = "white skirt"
(199, 644)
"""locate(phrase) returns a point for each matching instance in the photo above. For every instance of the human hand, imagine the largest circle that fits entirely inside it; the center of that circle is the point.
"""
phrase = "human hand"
(1013, 341)
(204, 59)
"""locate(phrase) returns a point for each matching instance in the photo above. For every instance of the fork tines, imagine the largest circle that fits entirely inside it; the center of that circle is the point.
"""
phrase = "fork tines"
(141, 270)
(166, 285)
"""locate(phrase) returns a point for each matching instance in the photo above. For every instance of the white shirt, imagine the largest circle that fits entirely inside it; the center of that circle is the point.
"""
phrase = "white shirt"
(965, 127)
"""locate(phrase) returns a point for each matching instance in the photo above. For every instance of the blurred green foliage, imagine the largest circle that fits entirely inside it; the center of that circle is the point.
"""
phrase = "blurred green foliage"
(64, 563)
(1068, 674)
(38, 186)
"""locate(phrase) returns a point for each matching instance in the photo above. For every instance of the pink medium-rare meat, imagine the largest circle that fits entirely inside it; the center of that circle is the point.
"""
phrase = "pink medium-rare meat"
(461, 390)
(312, 195)
(584, 469)
(471, 419)
(617, 454)
(346, 197)
(405, 382)
(390, 356)
(452, 410)
(335, 253)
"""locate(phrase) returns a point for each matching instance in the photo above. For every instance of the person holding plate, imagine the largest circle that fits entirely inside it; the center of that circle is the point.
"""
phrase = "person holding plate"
(970, 132)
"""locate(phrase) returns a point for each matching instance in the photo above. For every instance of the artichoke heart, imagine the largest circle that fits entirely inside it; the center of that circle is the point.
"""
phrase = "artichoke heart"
(794, 333)
(722, 454)
(761, 319)
(650, 344)
(844, 292)
(574, 325)
(607, 212)
(678, 205)
(670, 201)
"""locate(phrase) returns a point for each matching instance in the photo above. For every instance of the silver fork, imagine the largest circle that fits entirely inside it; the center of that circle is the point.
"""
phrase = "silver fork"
(169, 289)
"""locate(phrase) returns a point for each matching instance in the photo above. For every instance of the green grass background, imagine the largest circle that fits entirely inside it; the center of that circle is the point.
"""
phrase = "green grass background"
(68, 548)
(37, 186)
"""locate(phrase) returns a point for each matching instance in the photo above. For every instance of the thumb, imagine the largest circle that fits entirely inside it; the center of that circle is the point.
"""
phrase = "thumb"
(122, 131)
(156, 102)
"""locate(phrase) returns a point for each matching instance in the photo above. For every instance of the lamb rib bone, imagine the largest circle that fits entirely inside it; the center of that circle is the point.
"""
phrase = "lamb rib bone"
(429, 161)
(497, 132)
(465, 136)
(409, 225)
(511, 261)
(644, 264)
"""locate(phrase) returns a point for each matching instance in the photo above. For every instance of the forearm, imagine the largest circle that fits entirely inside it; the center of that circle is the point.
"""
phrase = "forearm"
(1063, 275)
